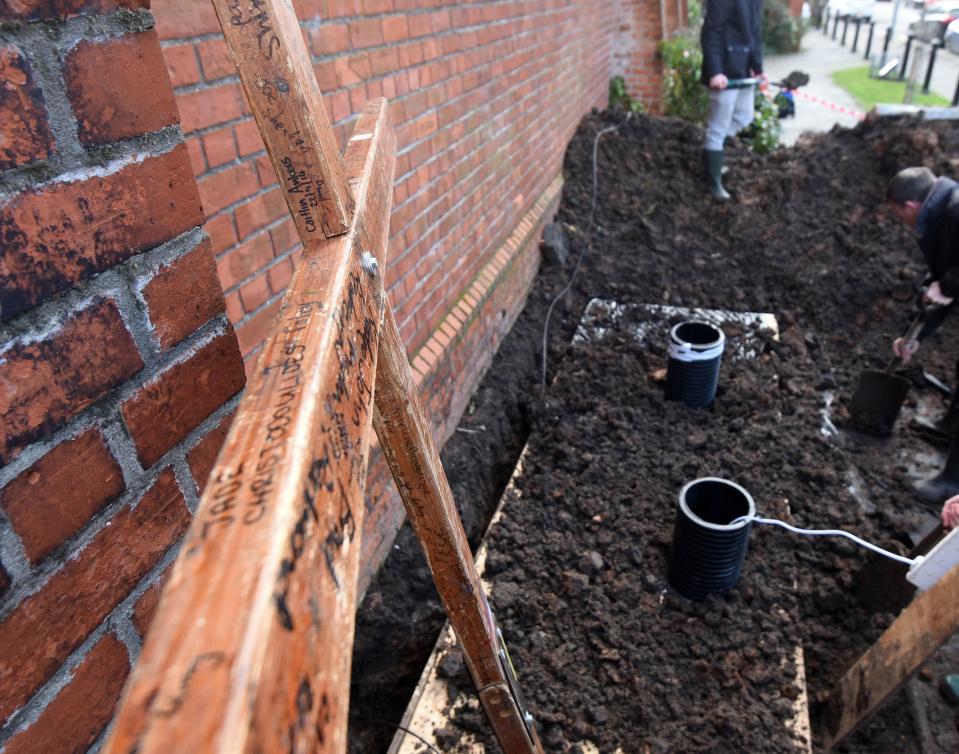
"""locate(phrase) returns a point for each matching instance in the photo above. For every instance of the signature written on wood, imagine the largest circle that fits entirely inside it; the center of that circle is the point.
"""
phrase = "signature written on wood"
(255, 15)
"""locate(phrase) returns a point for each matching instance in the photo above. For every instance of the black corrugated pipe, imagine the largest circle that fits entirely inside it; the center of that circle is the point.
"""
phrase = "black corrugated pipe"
(708, 551)
(695, 355)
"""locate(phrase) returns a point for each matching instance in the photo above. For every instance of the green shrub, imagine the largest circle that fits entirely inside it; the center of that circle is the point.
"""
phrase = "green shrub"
(781, 32)
(619, 97)
(683, 94)
(762, 135)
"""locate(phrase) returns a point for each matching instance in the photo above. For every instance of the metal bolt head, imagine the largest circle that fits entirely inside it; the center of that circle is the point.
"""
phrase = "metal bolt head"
(368, 262)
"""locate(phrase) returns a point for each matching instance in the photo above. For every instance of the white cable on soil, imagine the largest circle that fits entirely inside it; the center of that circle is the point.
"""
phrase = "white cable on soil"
(589, 228)
(825, 533)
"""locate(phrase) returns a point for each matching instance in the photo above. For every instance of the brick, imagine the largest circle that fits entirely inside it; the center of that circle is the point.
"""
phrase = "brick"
(181, 64)
(45, 628)
(145, 607)
(259, 212)
(395, 28)
(60, 234)
(365, 32)
(117, 88)
(203, 456)
(44, 383)
(25, 134)
(211, 106)
(280, 275)
(228, 186)
(240, 262)
(184, 295)
(222, 232)
(45, 503)
(219, 147)
(328, 39)
(248, 139)
(215, 60)
(176, 19)
(82, 709)
(166, 409)
(35, 10)
(255, 293)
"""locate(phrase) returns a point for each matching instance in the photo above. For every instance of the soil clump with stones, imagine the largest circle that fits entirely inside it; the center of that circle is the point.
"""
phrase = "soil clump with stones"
(607, 652)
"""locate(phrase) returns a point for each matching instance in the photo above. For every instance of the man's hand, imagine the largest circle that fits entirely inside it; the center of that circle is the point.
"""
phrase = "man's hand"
(950, 513)
(718, 82)
(905, 349)
(934, 295)
(762, 77)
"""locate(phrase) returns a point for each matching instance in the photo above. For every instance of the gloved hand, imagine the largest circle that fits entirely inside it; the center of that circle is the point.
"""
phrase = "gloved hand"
(934, 295)
(718, 82)
(905, 349)
(950, 513)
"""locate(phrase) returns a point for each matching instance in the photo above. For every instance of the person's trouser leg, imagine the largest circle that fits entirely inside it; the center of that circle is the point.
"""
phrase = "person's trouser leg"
(721, 108)
(744, 109)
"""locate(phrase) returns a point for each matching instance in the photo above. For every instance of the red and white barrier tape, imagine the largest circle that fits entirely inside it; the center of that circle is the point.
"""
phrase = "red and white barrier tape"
(857, 114)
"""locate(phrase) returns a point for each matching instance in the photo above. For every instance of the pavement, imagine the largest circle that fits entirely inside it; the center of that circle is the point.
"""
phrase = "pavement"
(822, 104)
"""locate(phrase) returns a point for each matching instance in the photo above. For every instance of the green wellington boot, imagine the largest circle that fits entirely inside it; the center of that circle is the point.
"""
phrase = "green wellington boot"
(714, 172)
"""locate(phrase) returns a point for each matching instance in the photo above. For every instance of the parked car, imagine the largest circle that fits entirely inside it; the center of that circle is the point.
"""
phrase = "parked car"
(855, 8)
(936, 17)
(951, 38)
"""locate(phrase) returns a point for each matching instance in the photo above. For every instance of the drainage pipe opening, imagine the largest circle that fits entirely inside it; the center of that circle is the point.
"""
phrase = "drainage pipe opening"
(709, 543)
(695, 355)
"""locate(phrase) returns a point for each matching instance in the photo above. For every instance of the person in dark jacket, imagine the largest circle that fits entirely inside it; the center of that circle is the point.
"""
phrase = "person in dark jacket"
(931, 206)
(732, 50)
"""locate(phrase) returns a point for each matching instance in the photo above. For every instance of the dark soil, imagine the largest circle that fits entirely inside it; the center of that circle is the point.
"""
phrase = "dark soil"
(606, 651)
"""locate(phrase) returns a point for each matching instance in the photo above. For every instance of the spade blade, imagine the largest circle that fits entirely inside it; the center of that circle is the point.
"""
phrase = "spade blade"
(876, 403)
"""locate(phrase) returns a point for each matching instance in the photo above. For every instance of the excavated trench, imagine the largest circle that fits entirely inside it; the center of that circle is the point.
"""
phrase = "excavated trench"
(608, 653)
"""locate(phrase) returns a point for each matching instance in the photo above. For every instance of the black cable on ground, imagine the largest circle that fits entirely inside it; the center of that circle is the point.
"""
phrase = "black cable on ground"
(395, 726)
(586, 248)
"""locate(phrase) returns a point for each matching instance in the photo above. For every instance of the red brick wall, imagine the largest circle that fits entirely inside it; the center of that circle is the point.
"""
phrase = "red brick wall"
(118, 366)
(484, 95)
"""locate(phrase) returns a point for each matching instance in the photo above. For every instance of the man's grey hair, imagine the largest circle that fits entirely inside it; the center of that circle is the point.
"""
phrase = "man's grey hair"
(910, 185)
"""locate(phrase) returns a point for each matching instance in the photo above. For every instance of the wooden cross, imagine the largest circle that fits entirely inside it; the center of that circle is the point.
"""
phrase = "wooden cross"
(251, 645)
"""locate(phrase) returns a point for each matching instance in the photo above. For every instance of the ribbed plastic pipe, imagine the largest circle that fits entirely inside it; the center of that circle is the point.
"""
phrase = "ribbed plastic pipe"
(708, 551)
(695, 355)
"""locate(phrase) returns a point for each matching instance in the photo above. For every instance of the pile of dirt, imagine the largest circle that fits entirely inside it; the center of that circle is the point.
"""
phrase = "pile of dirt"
(606, 651)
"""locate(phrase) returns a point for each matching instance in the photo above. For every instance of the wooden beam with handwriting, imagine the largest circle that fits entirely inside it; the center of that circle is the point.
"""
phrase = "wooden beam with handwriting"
(267, 47)
(251, 645)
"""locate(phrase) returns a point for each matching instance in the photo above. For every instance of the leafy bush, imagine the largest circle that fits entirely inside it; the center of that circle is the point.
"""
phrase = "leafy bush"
(683, 94)
(619, 97)
(762, 135)
(781, 32)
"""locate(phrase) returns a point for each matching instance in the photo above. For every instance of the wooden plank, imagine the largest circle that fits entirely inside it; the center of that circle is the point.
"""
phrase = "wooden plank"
(250, 649)
(903, 648)
(267, 47)
(404, 432)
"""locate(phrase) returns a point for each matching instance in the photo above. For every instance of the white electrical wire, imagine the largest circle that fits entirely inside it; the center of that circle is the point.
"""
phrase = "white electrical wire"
(589, 228)
(826, 533)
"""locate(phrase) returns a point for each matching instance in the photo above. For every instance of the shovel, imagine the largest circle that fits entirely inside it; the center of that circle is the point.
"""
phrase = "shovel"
(879, 396)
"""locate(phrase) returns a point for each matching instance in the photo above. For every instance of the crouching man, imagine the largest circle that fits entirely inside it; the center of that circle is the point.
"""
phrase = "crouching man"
(931, 206)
